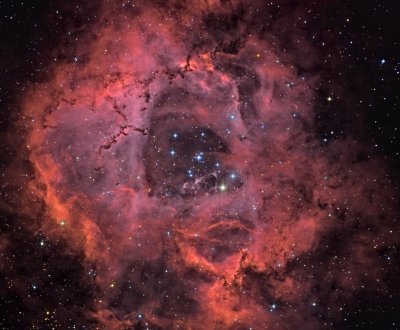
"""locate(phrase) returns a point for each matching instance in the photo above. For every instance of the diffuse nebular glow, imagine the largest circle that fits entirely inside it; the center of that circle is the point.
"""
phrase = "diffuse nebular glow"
(180, 158)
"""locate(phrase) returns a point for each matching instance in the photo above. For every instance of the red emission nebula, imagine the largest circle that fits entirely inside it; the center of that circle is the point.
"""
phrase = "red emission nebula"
(177, 153)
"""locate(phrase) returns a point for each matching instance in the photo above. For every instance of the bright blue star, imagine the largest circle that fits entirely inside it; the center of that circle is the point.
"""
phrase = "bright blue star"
(199, 156)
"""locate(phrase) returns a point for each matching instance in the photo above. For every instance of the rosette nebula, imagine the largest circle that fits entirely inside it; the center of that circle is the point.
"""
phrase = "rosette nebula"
(195, 165)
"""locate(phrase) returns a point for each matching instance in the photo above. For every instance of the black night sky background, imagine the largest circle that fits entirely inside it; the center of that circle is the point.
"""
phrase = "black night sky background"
(350, 49)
